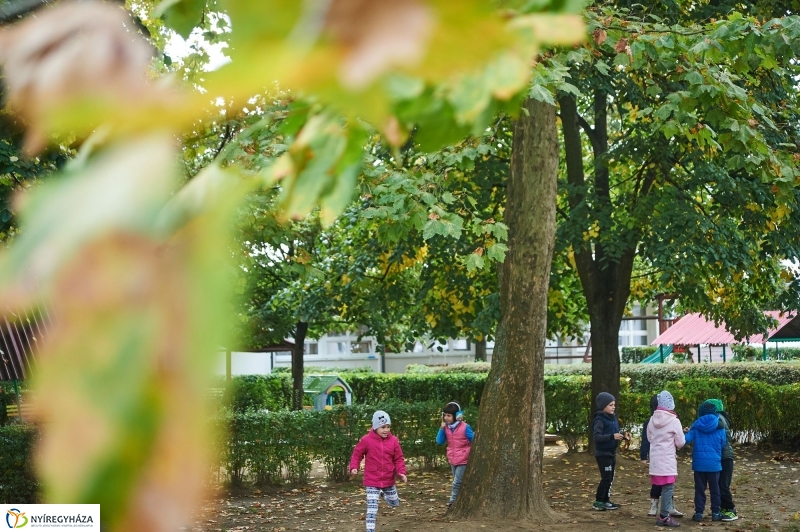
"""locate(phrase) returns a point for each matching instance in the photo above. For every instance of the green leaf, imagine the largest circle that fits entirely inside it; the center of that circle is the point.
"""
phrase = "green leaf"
(497, 252)
(181, 15)
(602, 67)
(433, 228)
(473, 262)
(542, 94)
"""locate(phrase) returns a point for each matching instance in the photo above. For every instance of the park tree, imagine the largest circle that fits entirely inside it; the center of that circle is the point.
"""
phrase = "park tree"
(680, 149)
(513, 399)
(136, 264)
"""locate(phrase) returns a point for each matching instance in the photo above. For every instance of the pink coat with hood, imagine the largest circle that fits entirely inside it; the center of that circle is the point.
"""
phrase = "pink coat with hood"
(666, 436)
(384, 459)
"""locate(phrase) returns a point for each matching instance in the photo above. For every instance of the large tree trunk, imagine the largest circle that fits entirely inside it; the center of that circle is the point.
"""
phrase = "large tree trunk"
(504, 475)
(605, 275)
(297, 364)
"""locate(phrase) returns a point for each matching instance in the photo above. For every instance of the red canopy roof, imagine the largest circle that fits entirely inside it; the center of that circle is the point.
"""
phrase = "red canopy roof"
(694, 329)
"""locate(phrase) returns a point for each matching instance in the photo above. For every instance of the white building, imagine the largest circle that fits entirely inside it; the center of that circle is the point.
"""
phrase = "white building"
(347, 350)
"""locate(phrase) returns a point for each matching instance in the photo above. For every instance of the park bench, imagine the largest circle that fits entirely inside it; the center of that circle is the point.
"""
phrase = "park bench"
(13, 411)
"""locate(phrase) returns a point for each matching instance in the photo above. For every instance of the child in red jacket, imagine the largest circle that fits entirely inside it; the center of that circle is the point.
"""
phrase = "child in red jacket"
(384, 460)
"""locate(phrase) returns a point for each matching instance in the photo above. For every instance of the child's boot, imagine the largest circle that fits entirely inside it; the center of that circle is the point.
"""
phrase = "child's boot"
(675, 512)
(653, 507)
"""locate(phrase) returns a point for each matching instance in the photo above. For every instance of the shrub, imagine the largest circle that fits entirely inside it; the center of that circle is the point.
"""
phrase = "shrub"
(259, 392)
(757, 410)
(18, 482)
(273, 447)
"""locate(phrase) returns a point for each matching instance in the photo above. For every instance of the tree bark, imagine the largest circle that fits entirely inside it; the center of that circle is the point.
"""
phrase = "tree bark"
(480, 350)
(504, 474)
(301, 328)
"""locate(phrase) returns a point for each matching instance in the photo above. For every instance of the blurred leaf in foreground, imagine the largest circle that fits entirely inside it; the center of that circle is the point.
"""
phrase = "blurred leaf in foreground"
(139, 312)
(69, 54)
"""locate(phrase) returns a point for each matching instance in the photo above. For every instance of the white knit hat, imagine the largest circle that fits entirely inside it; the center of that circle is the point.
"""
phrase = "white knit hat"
(380, 418)
(665, 400)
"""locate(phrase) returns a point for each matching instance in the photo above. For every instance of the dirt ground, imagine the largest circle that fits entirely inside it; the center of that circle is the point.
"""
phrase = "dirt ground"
(765, 486)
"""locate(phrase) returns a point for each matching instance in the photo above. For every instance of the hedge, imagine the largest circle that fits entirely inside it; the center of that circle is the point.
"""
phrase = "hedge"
(277, 447)
(18, 483)
(375, 388)
(272, 447)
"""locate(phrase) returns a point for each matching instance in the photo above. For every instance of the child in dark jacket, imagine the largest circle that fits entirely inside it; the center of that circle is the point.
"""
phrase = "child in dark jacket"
(458, 435)
(605, 430)
(383, 460)
(728, 510)
(644, 455)
(708, 441)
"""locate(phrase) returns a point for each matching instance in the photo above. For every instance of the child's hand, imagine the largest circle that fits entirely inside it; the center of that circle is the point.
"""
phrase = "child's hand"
(618, 436)
(403, 478)
(444, 425)
(645, 462)
(353, 472)
(685, 430)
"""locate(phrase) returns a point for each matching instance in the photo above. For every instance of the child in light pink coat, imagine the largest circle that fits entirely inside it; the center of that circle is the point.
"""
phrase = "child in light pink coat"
(666, 436)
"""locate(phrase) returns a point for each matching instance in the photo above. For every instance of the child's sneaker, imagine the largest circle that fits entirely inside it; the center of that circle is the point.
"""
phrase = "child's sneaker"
(653, 508)
(599, 506)
(666, 521)
(675, 512)
(729, 515)
(697, 517)
(716, 516)
(612, 505)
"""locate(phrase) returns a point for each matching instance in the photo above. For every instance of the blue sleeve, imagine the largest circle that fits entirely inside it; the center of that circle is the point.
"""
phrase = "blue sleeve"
(440, 437)
(469, 433)
(644, 448)
(690, 436)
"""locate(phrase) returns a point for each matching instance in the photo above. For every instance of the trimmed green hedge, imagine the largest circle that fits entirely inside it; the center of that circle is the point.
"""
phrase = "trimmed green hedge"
(18, 483)
(278, 446)
(274, 447)
(273, 392)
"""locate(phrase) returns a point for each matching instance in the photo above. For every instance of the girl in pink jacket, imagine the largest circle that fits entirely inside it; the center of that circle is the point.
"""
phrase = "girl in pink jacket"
(458, 435)
(666, 436)
(384, 460)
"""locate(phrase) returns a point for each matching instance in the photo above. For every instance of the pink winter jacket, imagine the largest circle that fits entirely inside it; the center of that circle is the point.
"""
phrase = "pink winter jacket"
(384, 459)
(666, 435)
(458, 446)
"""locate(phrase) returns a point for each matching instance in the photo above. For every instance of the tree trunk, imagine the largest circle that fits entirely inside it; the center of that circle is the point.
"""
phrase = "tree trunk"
(301, 328)
(480, 350)
(605, 276)
(504, 475)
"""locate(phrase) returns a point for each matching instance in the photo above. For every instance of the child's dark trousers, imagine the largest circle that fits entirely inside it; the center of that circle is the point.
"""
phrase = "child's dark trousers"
(606, 465)
(701, 482)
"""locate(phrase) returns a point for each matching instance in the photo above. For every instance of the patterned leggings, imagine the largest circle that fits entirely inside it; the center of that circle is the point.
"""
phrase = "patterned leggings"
(373, 496)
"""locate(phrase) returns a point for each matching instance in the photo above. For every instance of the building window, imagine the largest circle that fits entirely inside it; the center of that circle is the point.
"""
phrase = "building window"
(361, 347)
(634, 332)
(337, 348)
(461, 344)
(312, 348)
